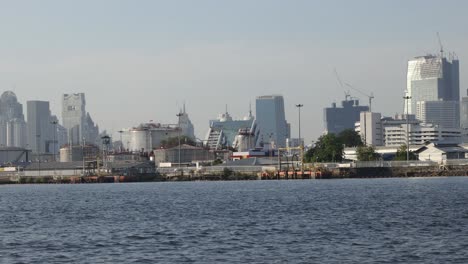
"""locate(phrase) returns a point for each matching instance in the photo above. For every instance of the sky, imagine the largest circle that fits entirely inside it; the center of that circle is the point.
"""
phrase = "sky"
(141, 60)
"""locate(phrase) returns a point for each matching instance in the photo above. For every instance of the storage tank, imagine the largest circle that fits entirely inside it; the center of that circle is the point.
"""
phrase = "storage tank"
(139, 140)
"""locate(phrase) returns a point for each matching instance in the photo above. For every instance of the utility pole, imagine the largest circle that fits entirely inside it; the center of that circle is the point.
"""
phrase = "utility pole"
(407, 98)
(179, 130)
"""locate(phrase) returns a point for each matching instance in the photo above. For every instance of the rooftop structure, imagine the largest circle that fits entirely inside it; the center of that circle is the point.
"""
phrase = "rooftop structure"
(226, 132)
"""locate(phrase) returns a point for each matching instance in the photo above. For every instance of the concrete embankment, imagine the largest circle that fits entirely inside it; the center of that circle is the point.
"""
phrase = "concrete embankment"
(231, 174)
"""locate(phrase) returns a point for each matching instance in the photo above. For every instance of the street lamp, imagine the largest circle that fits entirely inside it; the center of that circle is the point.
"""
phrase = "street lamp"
(38, 139)
(55, 139)
(407, 98)
(299, 106)
(83, 145)
(121, 142)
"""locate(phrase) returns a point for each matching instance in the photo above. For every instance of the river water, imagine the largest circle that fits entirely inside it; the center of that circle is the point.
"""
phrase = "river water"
(412, 220)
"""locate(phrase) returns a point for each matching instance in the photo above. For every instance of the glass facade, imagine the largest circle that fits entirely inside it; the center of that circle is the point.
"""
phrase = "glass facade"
(434, 79)
(337, 119)
(271, 119)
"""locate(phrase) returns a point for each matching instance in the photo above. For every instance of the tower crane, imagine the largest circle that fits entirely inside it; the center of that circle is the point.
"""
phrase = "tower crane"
(347, 94)
(370, 96)
(440, 45)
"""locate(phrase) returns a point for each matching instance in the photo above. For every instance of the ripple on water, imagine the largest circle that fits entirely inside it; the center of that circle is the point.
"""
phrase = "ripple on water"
(357, 221)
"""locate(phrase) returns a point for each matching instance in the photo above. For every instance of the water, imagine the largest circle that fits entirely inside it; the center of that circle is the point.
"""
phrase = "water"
(420, 220)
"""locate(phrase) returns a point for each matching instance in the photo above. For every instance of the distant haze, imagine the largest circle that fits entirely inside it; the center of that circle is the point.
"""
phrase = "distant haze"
(141, 60)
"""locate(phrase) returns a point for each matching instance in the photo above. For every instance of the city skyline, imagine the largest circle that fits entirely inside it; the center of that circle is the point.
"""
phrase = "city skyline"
(141, 62)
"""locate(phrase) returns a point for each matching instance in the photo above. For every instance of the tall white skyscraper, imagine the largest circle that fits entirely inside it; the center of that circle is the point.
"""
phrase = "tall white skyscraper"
(271, 119)
(433, 85)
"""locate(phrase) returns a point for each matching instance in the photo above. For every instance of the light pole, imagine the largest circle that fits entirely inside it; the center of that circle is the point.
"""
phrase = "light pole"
(407, 98)
(105, 142)
(121, 142)
(179, 129)
(83, 154)
(38, 139)
(299, 106)
(55, 139)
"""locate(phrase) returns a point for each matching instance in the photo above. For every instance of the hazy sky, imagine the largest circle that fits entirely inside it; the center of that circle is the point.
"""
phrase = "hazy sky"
(140, 60)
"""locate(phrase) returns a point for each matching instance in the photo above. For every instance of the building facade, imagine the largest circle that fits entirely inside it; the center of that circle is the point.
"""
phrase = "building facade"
(227, 132)
(370, 128)
(420, 134)
(78, 123)
(12, 123)
(271, 119)
(40, 127)
(337, 119)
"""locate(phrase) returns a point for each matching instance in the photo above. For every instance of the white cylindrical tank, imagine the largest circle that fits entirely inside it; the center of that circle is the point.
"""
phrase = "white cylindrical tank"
(139, 140)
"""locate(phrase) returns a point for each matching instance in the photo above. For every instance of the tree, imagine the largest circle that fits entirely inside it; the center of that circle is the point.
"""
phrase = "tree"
(350, 138)
(401, 154)
(328, 148)
(366, 153)
(174, 142)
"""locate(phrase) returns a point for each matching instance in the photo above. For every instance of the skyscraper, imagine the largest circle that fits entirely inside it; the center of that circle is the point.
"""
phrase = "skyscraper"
(185, 124)
(76, 120)
(40, 129)
(434, 80)
(12, 124)
(271, 119)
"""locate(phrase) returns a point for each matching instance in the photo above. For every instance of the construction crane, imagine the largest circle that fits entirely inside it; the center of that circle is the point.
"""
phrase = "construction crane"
(440, 45)
(347, 93)
(370, 96)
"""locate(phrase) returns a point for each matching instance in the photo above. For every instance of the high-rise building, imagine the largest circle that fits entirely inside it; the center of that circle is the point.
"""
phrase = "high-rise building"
(370, 128)
(77, 121)
(432, 79)
(464, 112)
(40, 127)
(12, 124)
(337, 119)
(185, 124)
(271, 119)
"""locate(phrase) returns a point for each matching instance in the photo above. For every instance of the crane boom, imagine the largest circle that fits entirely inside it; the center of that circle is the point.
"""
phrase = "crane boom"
(347, 94)
(440, 45)
(370, 96)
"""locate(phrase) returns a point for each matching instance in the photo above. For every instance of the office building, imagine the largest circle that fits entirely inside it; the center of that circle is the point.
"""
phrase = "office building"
(78, 123)
(40, 127)
(12, 124)
(442, 113)
(185, 124)
(370, 128)
(271, 119)
(420, 134)
(435, 81)
(337, 119)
